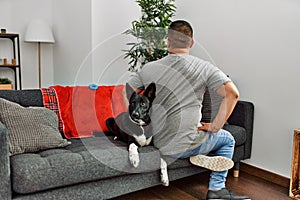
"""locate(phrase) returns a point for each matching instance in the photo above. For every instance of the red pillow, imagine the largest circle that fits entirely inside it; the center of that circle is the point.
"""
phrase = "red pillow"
(117, 100)
(82, 110)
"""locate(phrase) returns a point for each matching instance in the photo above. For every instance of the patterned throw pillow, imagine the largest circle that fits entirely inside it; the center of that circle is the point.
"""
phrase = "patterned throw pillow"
(30, 129)
(50, 102)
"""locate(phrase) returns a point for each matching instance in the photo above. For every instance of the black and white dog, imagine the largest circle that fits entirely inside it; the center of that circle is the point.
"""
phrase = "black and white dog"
(133, 126)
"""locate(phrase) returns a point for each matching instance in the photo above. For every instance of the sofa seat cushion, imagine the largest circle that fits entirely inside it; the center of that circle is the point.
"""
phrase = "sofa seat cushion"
(89, 159)
(84, 160)
(239, 133)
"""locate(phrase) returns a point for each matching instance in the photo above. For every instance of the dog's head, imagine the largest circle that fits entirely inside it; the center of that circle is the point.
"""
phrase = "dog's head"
(140, 104)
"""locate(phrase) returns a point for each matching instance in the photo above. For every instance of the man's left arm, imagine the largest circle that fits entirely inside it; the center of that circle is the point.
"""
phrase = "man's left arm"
(230, 95)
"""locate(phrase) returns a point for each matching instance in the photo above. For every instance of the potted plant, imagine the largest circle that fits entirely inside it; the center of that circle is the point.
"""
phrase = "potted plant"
(150, 32)
(5, 84)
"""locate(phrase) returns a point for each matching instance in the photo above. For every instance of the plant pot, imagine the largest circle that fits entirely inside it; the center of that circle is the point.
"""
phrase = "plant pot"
(6, 86)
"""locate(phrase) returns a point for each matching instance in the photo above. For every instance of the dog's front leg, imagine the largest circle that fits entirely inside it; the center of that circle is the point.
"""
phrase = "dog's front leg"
(164, 172)
(134, 155)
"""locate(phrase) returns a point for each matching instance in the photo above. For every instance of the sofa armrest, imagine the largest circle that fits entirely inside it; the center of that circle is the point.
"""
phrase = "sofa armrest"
(5, 183)
(243, 115)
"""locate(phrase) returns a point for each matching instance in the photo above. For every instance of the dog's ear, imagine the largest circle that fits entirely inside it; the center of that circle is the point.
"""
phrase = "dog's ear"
(129, 91)
(150, 91)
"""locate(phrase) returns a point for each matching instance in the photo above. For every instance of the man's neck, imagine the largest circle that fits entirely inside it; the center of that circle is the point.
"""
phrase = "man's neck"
(181, 51)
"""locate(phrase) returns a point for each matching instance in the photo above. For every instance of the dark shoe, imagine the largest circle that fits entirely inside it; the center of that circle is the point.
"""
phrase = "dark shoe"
(224, 194)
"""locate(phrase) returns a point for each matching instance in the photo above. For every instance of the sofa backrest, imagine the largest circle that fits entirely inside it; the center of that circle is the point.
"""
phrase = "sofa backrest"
(33, 97)
(25, 98)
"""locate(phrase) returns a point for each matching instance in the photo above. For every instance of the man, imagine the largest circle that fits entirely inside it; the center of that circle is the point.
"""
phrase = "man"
(181, 81)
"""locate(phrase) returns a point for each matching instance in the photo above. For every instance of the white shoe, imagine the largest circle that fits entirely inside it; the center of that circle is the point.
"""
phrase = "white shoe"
(214, 163)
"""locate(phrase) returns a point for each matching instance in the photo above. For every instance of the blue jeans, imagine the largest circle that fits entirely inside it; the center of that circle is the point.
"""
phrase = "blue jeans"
(220, 144)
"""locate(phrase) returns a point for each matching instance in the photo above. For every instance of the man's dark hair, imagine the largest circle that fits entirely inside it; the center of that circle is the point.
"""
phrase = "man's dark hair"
(180, 34)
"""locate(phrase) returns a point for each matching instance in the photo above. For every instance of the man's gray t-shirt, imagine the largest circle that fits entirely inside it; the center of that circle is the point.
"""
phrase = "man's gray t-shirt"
(181, 81)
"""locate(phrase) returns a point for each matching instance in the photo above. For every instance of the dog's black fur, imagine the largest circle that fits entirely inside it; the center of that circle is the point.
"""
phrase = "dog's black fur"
(134, 128)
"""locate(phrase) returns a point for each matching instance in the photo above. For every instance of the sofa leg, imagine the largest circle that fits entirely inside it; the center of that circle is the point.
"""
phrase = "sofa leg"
(236, 173)
(236, 169)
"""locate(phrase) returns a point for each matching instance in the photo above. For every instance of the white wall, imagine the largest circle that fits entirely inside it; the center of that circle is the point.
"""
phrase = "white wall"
(72, 28)
(90, 41)
(109, 21)
(15, 16)
(257, 43)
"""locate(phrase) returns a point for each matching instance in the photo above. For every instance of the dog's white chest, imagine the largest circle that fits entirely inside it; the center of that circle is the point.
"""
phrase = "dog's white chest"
(141, 139)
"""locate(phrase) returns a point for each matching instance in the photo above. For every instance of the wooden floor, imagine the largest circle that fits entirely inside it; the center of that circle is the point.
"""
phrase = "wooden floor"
(195, 187)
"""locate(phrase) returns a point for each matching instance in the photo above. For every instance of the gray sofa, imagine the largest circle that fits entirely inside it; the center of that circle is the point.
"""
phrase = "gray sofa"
(98, 167)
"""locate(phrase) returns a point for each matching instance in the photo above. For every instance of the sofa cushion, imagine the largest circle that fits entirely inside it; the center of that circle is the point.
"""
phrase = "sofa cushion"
(82, 110)
(86, 159)
(117, 100)
(238, 132)
(206, 107)
(30, 129)
(26, 98)
(50, 102)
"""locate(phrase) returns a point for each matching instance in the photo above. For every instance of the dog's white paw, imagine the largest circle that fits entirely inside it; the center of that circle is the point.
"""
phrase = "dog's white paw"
(164, 172)
(134, 155)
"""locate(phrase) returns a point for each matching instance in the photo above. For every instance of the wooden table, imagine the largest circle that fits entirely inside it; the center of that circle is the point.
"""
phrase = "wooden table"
(295, 171)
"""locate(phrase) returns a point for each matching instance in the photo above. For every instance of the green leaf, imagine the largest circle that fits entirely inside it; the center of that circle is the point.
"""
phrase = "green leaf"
(5, 81)
(150, 31)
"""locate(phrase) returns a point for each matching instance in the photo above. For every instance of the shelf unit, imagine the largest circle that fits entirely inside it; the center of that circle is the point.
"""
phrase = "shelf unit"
(14, 38)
